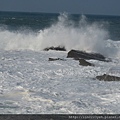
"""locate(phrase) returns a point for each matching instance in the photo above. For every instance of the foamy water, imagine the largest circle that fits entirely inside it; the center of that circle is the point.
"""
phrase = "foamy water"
(29, 83)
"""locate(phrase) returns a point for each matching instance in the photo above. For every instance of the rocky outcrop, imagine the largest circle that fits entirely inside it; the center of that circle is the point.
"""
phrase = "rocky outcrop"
(59, 48)
(76, 54)
(106, 77)
(85, 63)
(54, 59)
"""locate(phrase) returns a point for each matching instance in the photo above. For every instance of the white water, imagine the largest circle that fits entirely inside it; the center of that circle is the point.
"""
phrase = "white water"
(29, 83)
(87, 37)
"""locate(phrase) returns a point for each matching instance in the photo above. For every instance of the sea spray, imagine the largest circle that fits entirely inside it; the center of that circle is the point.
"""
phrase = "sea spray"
(90, 37)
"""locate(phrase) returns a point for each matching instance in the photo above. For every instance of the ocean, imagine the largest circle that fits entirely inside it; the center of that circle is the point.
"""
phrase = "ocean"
(31, 84)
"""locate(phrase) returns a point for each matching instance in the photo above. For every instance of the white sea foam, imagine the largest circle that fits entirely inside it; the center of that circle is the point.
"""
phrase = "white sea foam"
(88, 37)
(30, 84)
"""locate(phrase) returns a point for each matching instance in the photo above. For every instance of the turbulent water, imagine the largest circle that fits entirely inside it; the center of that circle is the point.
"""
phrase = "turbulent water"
(29, 83)
(33, 31)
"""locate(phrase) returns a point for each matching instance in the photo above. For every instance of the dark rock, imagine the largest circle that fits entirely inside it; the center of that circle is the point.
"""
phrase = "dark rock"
(54, 59)
(59, 48)
(76, 59)
(85, 63)
(106, 77)
(76, 54)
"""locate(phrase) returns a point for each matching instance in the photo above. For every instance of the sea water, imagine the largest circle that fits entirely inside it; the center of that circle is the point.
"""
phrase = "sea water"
(29, 83)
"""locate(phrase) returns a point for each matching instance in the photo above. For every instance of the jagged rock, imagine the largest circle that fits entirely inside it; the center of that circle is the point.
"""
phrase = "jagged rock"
(59, 48)
(106, 77)
(85, 63)
(54, 59)
(76, 54)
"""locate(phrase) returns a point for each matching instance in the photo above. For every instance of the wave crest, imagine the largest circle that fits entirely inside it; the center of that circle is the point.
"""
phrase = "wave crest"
(83, 36)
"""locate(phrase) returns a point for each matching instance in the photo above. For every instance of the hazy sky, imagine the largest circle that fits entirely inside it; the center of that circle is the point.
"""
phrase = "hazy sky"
(108, 7)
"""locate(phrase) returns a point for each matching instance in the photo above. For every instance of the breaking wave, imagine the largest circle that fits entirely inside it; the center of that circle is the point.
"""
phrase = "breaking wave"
(84, 36)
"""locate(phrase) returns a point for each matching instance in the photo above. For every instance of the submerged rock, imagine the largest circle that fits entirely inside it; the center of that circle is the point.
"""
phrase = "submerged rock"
(76, 54)
(59, 48)
(106, 77)
(54, 59)
(85, 63)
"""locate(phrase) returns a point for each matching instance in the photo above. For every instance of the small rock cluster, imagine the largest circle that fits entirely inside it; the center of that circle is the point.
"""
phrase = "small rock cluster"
(82, 57)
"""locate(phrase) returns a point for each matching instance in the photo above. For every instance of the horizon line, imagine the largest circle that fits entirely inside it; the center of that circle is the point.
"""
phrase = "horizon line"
(36, 12)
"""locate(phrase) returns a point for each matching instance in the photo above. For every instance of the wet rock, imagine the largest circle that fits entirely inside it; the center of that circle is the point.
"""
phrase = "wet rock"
(106, 77)
(59, 48)
(54, 59)
(85, 63)
(76, 54)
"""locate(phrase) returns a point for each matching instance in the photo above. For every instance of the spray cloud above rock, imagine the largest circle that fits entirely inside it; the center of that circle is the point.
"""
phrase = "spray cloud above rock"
(85, 36)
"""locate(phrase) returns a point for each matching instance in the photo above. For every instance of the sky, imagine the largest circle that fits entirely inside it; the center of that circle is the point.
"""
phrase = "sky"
(102, 7)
